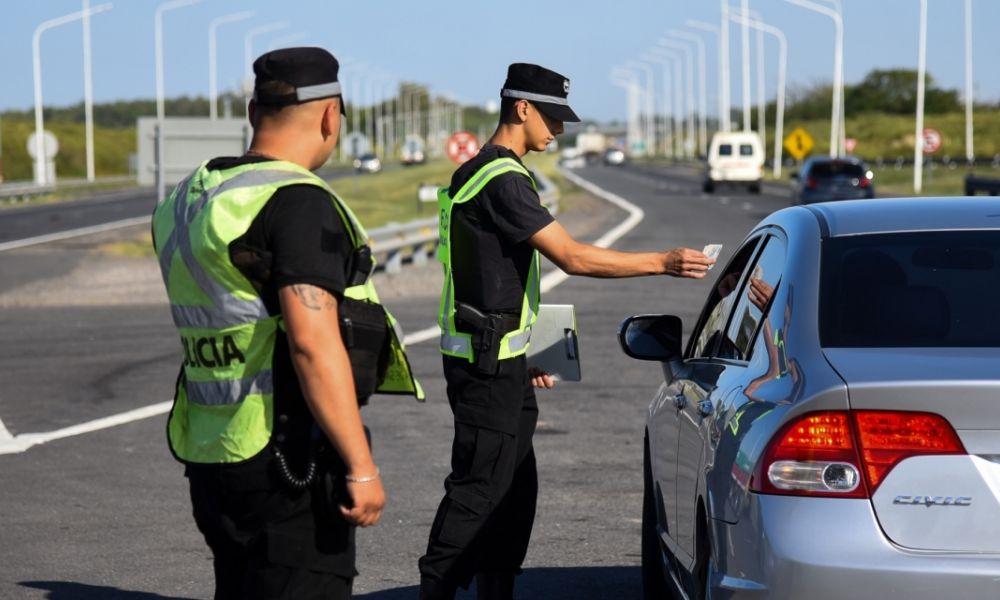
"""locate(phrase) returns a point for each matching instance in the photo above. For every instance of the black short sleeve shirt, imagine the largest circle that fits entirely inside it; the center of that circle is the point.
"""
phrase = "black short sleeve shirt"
(297, 238)
(490, 253)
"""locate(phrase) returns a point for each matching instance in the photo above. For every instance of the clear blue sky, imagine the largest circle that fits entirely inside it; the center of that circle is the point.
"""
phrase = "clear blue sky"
(464, 46)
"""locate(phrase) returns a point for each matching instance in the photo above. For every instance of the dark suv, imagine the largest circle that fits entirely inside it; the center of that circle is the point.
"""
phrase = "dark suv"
(826, 178)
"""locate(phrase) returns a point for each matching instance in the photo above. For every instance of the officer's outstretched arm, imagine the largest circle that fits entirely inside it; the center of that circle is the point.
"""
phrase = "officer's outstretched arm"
(324, 371)
(577, 258)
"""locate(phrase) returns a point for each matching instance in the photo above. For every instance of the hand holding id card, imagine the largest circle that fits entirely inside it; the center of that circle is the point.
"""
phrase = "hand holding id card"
(712, 251)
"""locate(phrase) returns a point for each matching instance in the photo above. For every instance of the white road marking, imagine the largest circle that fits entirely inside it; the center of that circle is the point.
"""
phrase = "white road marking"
(72, 233)
(19, 443)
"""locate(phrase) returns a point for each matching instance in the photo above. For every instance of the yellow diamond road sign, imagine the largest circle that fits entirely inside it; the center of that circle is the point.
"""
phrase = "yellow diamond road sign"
(799, 143)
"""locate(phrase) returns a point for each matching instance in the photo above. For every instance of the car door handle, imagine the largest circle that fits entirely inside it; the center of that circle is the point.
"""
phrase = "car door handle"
(680, 401)
(705, 407)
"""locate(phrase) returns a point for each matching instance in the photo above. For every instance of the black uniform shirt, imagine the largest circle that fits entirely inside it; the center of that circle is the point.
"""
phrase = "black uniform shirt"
(490, 253)
(297, 238)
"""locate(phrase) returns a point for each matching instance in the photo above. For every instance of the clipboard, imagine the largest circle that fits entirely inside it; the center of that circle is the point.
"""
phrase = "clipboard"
(553, 347)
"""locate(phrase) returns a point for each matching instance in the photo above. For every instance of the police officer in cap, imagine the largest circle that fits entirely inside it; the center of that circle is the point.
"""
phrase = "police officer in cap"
(261, 260)
(493, 228)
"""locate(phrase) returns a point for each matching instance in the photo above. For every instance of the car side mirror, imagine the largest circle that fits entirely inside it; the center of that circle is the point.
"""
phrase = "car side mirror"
(651, 337)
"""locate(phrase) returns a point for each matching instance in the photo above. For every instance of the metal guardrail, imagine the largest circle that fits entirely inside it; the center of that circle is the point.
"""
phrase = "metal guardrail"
(415, 242)
(22, 190)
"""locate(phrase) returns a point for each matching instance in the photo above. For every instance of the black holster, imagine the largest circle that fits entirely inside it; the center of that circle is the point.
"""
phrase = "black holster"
(365, 331)
(487, 330)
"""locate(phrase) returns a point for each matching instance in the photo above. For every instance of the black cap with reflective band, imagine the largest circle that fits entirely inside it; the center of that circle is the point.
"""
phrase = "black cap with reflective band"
(544, 88)
(310, 70)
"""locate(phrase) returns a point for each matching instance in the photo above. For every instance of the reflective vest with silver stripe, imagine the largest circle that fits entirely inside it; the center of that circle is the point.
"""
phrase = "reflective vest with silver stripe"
(224, 408)
(457, 343)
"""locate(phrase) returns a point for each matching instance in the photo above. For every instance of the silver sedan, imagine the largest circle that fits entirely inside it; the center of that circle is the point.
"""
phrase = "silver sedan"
(832, 427)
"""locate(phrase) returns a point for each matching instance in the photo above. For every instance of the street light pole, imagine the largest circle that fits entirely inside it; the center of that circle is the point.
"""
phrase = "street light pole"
(158, 36)
(970, 154)
(746, 66)
(838, 72)
(718, 94)
(678, 126)
(724, 66)
(41, 177)
(649, 98)
(779, 126)
(668, 111)
(213, 79)
(702, 75)
(918, 138)
(248, 44)
(627, 80)
(88, 92)
(688, 114)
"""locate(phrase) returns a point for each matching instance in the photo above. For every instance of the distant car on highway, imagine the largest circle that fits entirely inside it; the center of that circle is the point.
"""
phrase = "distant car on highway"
(824, 178)
(831, 429)
(367, 163)
(734, 158)
(614, 156)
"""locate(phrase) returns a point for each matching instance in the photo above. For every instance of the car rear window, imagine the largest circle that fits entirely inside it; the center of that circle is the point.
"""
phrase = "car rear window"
(725, 149)
(834, 169)
(927, 289)
(746, 150)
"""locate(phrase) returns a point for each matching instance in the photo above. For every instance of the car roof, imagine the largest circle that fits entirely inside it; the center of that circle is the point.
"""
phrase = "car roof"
(897, 215)
(830, 159)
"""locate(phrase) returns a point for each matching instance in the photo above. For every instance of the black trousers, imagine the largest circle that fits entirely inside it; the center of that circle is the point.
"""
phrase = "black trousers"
(268, 541)
(484, 522)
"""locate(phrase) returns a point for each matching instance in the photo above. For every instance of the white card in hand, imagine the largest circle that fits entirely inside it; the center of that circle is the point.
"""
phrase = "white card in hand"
(712, 251)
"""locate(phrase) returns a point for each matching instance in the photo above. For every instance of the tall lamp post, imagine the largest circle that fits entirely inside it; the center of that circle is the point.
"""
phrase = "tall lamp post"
(970, 154)
(661, 54)
(779, 126)
(688, 87)
(628, 81)
(41, 177)
(158, 36)
(836, 141)
(702, 75)
(918, 137)
(668, 110)
(695, 24)
(649, 97)
(213, 70)
(724, 65)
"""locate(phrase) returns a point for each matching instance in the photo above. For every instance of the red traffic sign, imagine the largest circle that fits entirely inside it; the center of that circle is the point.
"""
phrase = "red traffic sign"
(932, 140)
(462, 146)
(850, 144)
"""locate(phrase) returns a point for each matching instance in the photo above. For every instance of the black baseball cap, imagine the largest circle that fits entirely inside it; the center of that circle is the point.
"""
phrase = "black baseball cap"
(311, 70)
(545, 89)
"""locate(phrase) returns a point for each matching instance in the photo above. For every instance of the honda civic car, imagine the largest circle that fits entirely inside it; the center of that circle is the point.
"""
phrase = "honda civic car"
(831, 427)
(824, 178)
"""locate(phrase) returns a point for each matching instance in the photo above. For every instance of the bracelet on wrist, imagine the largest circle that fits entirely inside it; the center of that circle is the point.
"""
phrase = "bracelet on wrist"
(365, 479)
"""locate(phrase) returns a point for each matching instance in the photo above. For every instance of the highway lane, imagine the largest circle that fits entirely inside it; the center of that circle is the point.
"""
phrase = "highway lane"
(33, 220)
(105, 515)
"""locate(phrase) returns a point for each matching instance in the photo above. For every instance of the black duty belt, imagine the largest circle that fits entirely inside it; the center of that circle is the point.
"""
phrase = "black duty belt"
(487, 330)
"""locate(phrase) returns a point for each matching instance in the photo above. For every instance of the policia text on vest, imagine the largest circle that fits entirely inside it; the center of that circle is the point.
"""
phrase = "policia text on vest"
(223, 408)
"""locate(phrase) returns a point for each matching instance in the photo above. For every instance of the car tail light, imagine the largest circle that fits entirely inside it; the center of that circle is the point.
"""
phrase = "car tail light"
(886, 438)
(864, 182)
(845, 454)
(811, 183)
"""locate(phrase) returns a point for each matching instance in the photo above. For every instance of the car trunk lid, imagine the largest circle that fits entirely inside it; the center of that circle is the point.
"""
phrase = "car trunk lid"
(935, 502)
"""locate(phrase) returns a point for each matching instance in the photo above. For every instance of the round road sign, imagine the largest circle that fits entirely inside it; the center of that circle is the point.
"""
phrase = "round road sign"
(932, 140)
(50, 145)
(462, 146)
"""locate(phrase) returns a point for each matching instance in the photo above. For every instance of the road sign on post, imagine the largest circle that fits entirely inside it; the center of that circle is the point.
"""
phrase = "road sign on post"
(850, 144)
(932, 140)
(462, 146)
(799, 143)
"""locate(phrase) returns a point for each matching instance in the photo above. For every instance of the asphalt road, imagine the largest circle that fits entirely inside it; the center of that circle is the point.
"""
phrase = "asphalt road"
(106, 514)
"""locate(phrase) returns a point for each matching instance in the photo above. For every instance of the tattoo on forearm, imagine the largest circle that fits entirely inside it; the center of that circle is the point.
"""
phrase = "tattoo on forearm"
(314, 298)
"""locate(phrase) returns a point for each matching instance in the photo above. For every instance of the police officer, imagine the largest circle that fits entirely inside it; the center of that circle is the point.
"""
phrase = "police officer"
(493, 228)
(262, 261)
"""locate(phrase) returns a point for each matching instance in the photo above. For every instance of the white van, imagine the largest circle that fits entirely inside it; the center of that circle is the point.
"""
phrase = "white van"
(734, 157)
